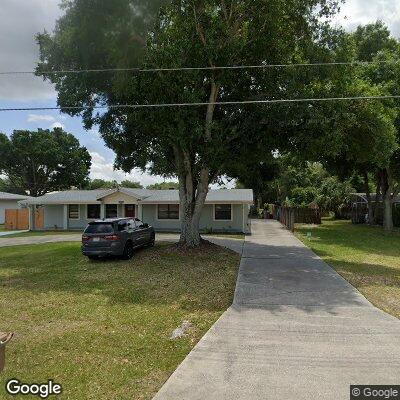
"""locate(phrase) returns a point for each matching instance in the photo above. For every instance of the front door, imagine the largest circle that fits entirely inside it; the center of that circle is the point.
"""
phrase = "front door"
(130, 211)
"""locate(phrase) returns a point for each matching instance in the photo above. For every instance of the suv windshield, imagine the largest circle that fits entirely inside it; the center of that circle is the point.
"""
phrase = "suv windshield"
(99, 228)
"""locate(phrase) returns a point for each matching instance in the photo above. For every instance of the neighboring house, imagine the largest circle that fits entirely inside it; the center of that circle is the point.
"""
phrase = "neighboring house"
(224, 210)
(9, 201)
(359, 209)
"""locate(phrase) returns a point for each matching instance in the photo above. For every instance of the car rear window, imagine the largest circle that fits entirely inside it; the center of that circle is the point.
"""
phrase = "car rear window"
(99, 228)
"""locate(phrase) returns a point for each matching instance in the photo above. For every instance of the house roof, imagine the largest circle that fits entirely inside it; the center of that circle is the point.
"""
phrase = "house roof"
(144, 196)
(12, 196)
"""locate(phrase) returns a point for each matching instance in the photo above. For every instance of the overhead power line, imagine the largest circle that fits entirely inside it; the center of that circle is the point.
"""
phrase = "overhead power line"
(232, 67)
(197, 104)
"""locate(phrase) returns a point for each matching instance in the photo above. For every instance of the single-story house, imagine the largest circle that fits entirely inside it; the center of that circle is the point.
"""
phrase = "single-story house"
(9, 201)
(224, 210)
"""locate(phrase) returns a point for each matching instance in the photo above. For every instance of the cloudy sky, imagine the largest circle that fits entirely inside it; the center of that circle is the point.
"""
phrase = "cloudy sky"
(22, 19)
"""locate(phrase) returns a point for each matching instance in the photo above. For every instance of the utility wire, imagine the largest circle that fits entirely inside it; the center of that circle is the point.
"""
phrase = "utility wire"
(232, 67)
(217, 103)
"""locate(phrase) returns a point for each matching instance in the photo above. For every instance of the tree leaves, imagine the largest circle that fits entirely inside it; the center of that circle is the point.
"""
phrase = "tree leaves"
(43, 161)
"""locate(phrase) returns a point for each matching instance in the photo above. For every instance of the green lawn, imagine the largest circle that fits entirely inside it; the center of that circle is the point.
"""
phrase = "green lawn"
(2, 227)
(102, 329)
(366, 256)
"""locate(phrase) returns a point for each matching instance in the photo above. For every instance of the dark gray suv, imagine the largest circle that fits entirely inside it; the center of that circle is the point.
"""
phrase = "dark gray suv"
(116, 237)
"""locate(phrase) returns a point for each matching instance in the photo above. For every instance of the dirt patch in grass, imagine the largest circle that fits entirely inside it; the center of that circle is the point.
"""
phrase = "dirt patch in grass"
(102, 329)
(205, 246)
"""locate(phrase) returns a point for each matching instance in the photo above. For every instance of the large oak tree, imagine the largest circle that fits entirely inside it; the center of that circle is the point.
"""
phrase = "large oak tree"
(374, 43)
(196, 144)
(38, 162)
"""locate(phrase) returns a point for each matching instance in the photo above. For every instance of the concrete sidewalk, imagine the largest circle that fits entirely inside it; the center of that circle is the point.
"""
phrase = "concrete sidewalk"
(7, 233)
(296, 331)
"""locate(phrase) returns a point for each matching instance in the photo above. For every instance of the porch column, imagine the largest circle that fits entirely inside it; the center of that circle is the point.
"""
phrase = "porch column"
(140, 212)
(32, 217)
(244, 218)
(65, 216)
(102, 211)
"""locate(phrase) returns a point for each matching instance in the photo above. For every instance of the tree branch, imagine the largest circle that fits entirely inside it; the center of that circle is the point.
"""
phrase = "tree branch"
(211, 108)
(199, 28)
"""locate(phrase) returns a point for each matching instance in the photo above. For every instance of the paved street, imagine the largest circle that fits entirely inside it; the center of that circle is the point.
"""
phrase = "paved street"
(296, 331)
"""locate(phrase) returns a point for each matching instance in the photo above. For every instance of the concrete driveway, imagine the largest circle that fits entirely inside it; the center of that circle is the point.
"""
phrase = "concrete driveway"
(296, 331)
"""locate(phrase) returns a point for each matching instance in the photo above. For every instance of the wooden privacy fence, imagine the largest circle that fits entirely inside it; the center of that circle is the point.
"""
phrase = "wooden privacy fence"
(289, 216)
(18, 219)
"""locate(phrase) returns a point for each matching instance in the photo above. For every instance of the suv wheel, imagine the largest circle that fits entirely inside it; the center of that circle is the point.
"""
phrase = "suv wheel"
(128, 251)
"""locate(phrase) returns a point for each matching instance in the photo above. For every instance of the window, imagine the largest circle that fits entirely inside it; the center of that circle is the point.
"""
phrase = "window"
(140, 224)
(132, 224)
(111, 210)
(123, 226)
(73, 211)
(168, 211)
(222, 212)
(99, 228)
(93, 211)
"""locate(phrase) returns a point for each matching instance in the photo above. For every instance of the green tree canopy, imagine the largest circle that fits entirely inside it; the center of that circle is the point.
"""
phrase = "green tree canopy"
(357, 137)
(197, 144)
(164, 185)
(370, 39)
(131, 184)
(104, 184)
(43, 161)
(300, 184)
(8, 187)
(374, 43)
(101, 184)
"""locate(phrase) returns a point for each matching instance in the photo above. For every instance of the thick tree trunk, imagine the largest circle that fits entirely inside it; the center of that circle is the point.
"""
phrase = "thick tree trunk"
(387, 212)
(192, 201)
(387, 188)
(194, 179)
(378, 197)
(371, 217)
(190, 229)
(259, 201)
(193, 189)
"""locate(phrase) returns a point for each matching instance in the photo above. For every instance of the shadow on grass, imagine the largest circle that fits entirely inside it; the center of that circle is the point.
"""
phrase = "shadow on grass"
(359, 267)
(202, 279)
(360, 238)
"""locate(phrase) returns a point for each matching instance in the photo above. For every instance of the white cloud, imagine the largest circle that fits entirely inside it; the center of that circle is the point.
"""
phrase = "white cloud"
(40, 118)
(21, 20)
(57, 125)
(104, 169)
(356, 12)
(94, 135)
